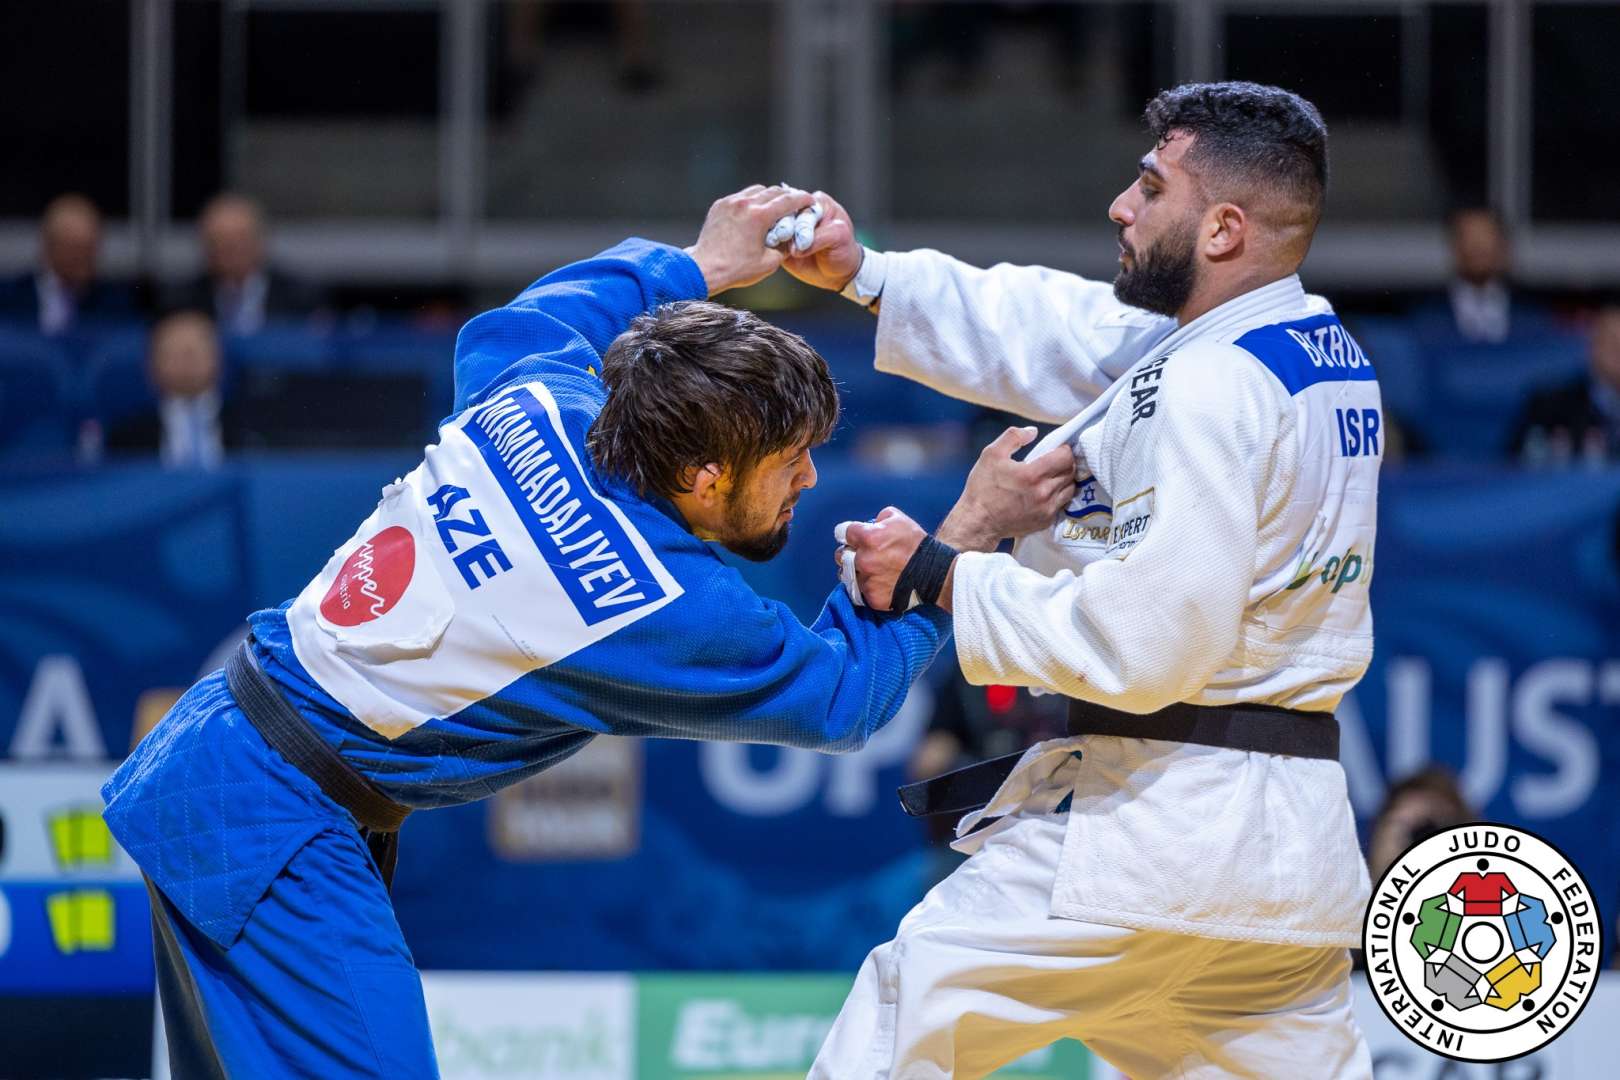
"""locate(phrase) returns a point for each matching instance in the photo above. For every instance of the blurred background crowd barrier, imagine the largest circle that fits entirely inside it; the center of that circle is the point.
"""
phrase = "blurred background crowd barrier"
(237, 238)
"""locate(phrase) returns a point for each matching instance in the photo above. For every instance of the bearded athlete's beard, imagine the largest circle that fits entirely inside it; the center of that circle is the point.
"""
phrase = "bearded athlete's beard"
(1161, 278)
(761, 546)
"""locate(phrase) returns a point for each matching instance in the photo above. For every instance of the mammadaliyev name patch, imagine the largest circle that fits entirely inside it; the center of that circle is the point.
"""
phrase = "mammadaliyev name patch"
(1482, 942)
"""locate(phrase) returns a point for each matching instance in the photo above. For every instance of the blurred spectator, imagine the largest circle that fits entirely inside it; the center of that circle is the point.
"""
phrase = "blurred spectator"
(240, 289)
(1481, 304)
(190, 426)
(1415, 809)
(956, 32)
(528, 23)
(1580, 419)
(65, 288)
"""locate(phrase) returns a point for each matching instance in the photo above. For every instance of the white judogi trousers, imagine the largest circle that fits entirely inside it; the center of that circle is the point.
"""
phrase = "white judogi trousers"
(990, 975)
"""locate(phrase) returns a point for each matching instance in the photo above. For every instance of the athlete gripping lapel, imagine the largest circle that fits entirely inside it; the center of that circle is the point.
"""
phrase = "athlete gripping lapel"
(540, 579)
(1176, 882)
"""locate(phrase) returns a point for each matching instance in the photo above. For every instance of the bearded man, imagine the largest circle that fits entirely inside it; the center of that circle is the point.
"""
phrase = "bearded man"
(1177, 881)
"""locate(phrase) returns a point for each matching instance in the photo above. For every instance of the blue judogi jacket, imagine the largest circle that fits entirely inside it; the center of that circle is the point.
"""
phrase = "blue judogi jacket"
(503, 605)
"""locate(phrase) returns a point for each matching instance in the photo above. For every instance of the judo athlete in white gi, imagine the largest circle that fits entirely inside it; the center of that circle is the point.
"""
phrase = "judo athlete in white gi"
(540, 579)
(1181, 903)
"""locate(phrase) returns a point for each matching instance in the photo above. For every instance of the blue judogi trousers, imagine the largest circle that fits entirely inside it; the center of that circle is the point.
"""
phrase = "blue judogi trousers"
(318, 984)
(278, 953)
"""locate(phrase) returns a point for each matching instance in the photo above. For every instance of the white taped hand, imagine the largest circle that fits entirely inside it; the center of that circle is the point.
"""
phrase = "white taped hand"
(846, 568)
(846, 564)
(800, 228)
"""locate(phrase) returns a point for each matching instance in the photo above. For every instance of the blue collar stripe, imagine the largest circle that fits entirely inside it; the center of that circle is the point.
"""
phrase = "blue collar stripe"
(1308, 351)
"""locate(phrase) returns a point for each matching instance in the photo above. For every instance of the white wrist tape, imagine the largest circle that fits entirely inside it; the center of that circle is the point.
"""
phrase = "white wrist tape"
(846, 565)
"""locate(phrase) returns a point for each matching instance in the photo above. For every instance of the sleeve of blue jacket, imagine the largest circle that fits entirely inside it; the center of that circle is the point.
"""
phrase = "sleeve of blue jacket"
(571, 315)
(728, 664)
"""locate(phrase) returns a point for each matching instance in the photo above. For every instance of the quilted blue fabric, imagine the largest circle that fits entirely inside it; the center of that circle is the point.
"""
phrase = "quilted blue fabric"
(210, 812)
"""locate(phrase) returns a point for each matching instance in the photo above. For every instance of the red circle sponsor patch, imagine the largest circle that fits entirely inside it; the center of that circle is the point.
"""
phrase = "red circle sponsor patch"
(372, 579)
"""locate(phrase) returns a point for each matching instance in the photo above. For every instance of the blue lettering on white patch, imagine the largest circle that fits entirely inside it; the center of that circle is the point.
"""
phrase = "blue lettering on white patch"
(579, 539)
(477, 562)
(1308, 351)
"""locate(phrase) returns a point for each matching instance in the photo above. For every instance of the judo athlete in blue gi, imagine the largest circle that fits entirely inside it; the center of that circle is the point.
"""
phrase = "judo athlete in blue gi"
(540, 579)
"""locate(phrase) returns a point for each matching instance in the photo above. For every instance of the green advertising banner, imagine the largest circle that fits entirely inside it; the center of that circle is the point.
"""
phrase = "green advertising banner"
(761, 1027)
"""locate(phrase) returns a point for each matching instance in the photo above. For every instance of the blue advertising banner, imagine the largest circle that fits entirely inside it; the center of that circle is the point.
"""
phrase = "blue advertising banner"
(1496, 597)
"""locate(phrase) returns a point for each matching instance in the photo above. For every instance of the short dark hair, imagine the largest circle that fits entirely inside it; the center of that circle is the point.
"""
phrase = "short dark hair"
(1462, 210)
(1261, 137)
(1435, 780)
(694, 382)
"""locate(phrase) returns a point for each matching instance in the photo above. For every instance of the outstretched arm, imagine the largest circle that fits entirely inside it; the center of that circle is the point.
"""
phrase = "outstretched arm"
(1031, 341)
(573, 314)
(1151, 622)
(744, 669)
(1148, 624)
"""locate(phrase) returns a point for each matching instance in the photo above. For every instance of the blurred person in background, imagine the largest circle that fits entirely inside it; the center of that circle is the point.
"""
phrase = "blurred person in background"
(190, 427)
(1579, 420)
(529, 23)
(1415, 808)
(66, 288)
(1480, 304)
(239, 287)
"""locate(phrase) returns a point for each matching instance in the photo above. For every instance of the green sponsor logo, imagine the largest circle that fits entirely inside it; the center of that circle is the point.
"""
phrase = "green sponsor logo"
(720, 1027)
(1337, 572)
(589, 1048)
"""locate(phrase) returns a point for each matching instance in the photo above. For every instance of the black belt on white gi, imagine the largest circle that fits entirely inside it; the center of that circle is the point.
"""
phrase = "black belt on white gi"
(261, 702)
(1263, 729)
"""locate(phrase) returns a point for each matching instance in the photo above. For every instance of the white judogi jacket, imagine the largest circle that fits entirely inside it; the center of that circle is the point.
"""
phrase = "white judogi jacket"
(1218, 551)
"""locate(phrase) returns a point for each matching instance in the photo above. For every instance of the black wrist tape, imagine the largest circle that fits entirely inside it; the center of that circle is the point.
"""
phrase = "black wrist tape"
(924, 574)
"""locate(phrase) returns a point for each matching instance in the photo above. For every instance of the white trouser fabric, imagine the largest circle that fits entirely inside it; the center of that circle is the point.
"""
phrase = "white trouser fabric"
(980, 973)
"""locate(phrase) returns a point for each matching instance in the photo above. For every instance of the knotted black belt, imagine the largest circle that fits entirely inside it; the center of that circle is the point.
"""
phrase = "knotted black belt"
(379, 816)
(1263, 729)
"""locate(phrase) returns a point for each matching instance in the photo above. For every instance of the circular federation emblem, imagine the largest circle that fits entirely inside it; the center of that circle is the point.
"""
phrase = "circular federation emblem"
(1482, 943)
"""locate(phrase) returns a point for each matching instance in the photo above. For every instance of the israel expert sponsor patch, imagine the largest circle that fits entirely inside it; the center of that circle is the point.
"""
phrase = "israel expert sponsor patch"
(1132, 517)
(1482, 943)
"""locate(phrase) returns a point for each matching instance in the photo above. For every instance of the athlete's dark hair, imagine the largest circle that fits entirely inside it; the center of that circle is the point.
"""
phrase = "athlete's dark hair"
(1249, 136)
(1476, 209)
(694, 382)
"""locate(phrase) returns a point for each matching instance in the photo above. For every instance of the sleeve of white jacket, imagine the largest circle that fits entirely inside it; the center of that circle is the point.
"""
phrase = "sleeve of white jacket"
(1149, 625)
(1025, 339)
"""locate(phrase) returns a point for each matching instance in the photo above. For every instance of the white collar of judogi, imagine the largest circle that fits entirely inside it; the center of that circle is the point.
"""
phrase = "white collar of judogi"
(1257, 307)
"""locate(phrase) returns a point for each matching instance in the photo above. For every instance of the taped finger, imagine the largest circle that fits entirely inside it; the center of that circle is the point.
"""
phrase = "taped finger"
(846, 574)
(781, 232)
(804, 227)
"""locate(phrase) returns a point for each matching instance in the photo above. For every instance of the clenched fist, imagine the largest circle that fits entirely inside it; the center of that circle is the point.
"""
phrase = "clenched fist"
(731, 249)
(880, 550)
(834, 254)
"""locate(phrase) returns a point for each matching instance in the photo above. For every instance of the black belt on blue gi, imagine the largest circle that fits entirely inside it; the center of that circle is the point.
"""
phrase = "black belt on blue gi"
(261, 702)
(1264, 729)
